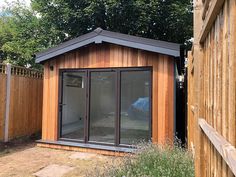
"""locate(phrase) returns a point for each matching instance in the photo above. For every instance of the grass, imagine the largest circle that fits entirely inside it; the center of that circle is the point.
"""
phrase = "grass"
(152, 161)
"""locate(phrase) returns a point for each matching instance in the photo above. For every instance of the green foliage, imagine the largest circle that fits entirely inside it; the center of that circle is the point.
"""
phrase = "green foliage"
(169, 20)
(26, 30)
(22, 34)
(152, 161)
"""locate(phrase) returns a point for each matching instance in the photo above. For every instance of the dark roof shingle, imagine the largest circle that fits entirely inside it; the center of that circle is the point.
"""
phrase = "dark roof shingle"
(99, 35)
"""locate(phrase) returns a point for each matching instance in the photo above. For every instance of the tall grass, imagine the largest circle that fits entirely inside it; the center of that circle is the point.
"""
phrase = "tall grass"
(153, 161)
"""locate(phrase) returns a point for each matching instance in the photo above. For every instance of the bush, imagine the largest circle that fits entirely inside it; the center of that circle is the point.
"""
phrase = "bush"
(153, 161)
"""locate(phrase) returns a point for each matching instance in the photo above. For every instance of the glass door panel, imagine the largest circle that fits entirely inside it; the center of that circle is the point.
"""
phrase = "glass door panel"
(135, 106)
(102, 107)
(123, 91)
(73, 105)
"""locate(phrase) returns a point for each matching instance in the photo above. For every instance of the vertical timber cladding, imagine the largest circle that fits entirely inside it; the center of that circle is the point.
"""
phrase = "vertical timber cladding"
(105, 56)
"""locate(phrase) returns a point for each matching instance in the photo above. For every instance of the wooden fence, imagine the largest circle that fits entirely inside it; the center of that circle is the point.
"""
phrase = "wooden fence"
(21, 92)
(212, 88)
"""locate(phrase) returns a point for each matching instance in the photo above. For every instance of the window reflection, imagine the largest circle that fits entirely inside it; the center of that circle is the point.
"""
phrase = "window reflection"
(135, 106)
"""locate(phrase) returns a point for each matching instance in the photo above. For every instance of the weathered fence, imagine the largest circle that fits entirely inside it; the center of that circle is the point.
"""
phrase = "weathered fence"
(21, 92)
(212, 88)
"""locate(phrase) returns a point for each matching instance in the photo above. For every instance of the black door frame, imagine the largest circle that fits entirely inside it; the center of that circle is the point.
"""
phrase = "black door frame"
(60, 105)
(89, 102)
(88, 71)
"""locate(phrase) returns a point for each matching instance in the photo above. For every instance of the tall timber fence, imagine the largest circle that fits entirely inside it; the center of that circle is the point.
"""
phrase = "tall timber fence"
(212, 89)
(21, 91)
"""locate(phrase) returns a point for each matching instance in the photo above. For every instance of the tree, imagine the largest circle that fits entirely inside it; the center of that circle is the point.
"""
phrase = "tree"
(22, 34)
(25, 31)
(169, 20)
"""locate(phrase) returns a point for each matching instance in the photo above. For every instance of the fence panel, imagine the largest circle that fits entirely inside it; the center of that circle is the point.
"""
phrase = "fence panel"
(213, 94)
(25, 102)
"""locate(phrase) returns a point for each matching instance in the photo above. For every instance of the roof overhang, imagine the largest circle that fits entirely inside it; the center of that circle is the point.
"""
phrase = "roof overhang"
(99, 36)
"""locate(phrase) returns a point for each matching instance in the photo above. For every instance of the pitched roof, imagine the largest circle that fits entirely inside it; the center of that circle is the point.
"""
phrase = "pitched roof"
(99, 35)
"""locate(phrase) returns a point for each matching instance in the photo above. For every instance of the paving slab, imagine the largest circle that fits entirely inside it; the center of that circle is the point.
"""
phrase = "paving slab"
(53, 170)
(83, 156)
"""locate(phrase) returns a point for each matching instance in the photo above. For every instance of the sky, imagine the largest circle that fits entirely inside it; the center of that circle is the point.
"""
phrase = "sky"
(3, 2)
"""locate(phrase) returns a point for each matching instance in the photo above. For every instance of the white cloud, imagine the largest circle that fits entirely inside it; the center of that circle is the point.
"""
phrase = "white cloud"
(4, 2)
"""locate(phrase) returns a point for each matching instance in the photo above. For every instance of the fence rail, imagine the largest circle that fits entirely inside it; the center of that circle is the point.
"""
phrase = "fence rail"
(211, 9)
(21, 92)
(224, 148)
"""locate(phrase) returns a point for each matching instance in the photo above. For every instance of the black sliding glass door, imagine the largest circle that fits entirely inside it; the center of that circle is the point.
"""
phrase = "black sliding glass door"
(105, 106)
(102, 107)
(135, 106)
(73, 105)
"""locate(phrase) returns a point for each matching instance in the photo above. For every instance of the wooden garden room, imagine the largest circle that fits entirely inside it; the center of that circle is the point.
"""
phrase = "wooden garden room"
(106, 91)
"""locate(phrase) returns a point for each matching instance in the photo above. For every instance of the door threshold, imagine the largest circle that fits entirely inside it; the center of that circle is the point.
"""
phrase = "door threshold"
(89, 146)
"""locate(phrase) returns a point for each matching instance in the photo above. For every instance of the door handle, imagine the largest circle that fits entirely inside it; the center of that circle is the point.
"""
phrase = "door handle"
(61, 104)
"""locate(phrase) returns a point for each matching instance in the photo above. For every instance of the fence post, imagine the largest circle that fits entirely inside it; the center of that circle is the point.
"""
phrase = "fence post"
(8, 92)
